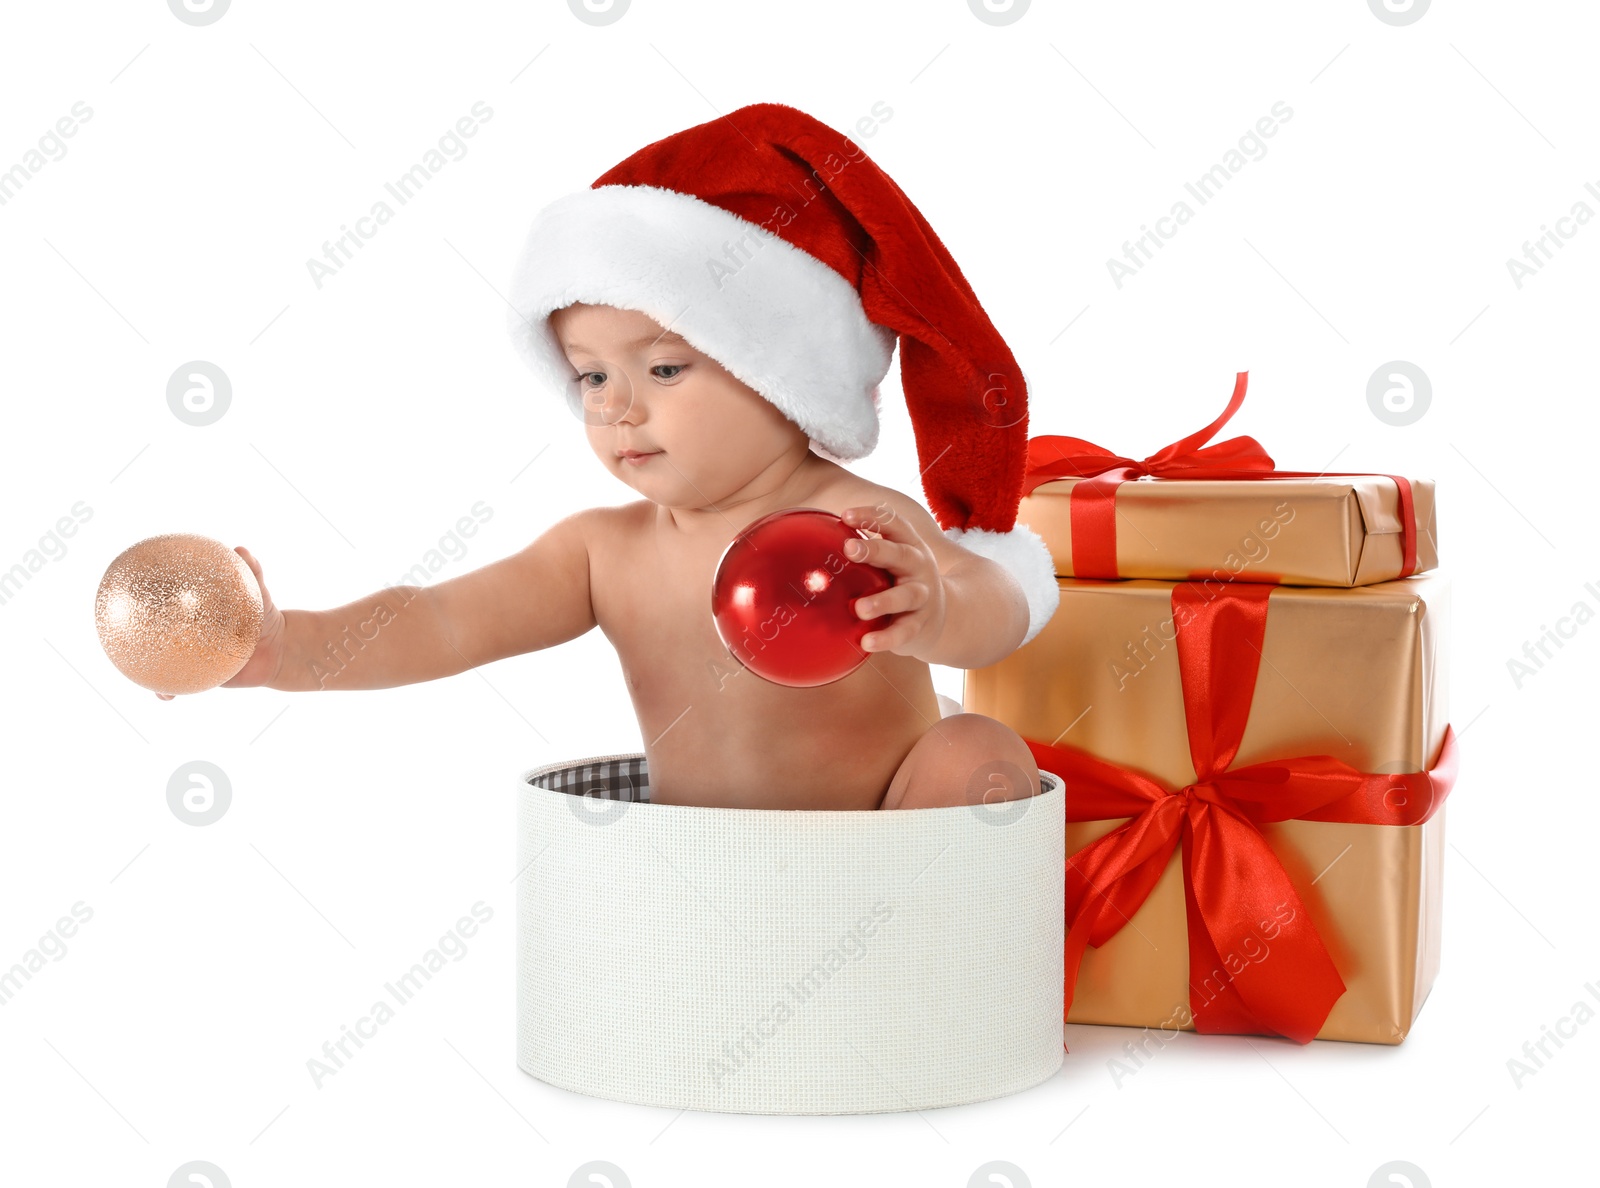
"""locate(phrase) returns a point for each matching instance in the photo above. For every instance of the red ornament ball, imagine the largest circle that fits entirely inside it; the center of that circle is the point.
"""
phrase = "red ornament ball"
(784, 598)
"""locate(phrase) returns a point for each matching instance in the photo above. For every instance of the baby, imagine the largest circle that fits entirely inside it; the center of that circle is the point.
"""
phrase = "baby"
(709, 456)
(717, 307)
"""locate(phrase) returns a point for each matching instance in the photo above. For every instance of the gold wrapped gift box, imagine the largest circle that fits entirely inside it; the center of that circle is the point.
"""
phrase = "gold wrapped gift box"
(1323, 531)
(1358, 674)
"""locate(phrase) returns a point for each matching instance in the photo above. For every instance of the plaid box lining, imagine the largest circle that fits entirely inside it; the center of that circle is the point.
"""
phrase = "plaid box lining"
(605, 777)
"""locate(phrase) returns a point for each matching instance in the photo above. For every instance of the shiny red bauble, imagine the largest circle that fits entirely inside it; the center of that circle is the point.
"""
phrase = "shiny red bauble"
(784, 598)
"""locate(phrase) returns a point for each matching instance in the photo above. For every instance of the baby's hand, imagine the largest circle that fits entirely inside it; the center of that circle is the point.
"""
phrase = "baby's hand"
(917, 598)
(265, 660)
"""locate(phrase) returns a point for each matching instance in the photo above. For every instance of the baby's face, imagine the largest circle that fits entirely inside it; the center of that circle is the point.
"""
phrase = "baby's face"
(710, 439)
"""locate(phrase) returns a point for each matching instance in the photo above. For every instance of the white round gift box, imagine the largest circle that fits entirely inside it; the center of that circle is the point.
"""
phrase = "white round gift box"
(784, 961)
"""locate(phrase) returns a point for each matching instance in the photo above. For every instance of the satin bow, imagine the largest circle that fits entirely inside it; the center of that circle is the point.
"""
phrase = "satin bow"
(1093, 500)
(1052, 458)
(1236, 890)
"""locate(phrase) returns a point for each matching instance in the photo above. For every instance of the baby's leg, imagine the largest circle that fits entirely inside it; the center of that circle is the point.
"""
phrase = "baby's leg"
(964, 759)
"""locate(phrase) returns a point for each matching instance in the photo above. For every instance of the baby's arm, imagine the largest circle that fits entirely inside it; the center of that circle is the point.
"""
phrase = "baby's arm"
(533, 599)
(960, 609)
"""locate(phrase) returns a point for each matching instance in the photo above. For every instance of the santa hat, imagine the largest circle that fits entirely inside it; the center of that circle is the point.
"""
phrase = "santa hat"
(774, 245)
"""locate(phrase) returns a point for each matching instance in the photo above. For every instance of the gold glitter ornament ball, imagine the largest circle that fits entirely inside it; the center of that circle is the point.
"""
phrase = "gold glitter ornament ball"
(178, 613)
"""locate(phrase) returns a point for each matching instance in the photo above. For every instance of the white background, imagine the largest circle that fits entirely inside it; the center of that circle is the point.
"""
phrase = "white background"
(370, 414)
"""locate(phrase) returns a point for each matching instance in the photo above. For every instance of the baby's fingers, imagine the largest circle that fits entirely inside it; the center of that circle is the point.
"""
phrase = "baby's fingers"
(881, 518)
(899, 633)
(885, 554)
(255, 566)
(907, 596)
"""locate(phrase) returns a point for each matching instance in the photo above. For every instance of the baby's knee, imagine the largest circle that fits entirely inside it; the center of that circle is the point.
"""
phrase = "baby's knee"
(996, 763)
(967, 759)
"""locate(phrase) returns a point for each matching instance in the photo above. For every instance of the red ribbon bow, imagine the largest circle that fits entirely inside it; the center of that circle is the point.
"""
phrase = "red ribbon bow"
(1233, 882)
(1094, 508)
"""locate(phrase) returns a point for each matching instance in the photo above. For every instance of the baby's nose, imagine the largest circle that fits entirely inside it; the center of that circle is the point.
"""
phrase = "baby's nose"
(612, 402)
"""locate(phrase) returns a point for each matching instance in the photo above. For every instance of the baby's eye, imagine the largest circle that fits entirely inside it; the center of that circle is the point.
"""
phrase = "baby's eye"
(672, 367)
(585, 375)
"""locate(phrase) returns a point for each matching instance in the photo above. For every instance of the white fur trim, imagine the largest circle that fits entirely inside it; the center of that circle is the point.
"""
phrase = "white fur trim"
(1023, 554)
(775, 316)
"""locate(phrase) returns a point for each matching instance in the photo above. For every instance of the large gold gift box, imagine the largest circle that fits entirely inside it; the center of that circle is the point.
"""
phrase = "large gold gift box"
(1359, 674)
(1321, 531)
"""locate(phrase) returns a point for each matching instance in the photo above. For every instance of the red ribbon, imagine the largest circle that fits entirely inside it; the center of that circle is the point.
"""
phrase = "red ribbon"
(1093, 501)
(1234, 884)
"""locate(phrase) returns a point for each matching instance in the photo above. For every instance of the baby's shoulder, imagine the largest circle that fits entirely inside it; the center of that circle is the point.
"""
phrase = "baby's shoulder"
(838, 488)
(616, 526)
(844, 489)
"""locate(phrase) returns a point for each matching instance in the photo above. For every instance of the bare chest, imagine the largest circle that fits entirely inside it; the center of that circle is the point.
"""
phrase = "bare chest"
(716, 733)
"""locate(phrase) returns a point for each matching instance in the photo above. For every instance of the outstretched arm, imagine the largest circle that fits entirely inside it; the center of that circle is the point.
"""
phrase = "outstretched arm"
(400, 635)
